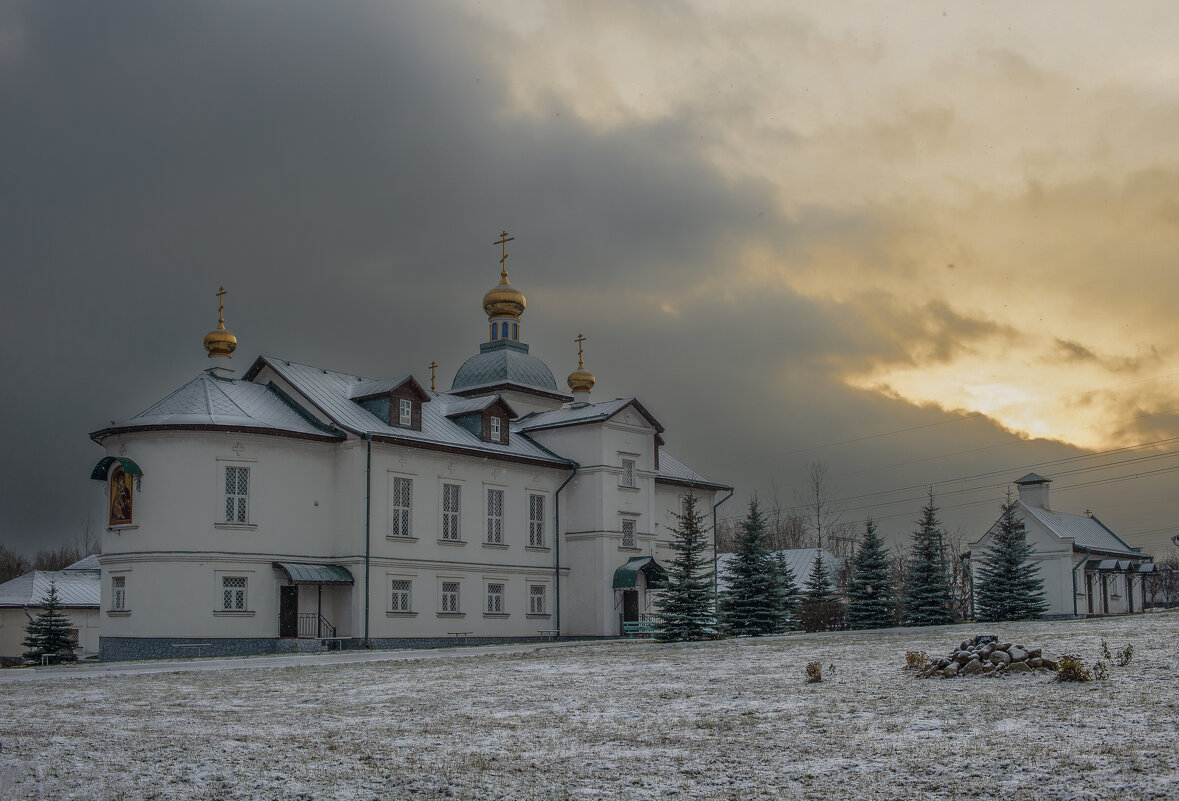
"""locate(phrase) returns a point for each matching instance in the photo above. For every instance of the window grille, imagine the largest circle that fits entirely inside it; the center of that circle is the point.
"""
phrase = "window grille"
(495, 516)
(450, 596)
(402, 503)
(451, 501)
(233, 593)
(401, 595)
(237, 494)
(628, 533)
(118, 592)
(628, 473)
(495, 599)
(536, 599)
(495, 421)
(536, 521)
(405, 415)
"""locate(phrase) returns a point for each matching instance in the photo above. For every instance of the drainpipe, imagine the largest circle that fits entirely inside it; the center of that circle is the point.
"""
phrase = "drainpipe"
(368, 488)
(1088, 553)
(715, 585)
(557, 550)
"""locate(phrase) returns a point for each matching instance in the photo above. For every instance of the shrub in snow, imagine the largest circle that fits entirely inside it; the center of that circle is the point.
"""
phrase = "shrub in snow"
(1071, 668)
(916, 660)
(814, 672)
(1100, 671)
(1124, 656)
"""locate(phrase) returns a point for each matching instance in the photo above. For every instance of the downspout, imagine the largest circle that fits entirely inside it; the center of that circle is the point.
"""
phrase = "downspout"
(1088, 553)
(557, 550)
(368, 488)
(715, 585)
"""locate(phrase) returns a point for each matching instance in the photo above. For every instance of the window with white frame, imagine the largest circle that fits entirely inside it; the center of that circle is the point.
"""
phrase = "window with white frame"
(628, 473)
(495, 517)
(536, 604)
(402, 505)
(401, 595)
(118, 592)
(536, 521)
(495, 424)
(405, 412)
(450, 598)
(495, 599)
(233, 593)
(452, 495)
(237, 494)
(628, 533)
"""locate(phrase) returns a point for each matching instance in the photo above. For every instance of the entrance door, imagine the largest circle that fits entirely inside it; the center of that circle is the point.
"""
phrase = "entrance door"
(288, 611)
(630, 605)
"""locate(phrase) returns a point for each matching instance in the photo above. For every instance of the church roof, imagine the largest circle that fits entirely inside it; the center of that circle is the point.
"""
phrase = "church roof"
(504, 362)
(1085, 531)
(331, 393)
(208, 401)
(672, 469)
(76, 586)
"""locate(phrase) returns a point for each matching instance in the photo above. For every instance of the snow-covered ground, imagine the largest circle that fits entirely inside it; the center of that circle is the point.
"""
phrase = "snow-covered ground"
(730, 719)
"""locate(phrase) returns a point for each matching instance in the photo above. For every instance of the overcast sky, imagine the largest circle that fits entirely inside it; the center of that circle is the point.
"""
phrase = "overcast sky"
(924, 243)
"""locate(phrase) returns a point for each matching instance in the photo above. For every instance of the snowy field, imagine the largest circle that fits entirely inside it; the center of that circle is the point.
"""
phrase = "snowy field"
(629, 720)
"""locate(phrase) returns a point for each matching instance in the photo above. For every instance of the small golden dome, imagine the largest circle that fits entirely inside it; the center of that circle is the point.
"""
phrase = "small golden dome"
(220, 342)
(503, 300)
(581, 381)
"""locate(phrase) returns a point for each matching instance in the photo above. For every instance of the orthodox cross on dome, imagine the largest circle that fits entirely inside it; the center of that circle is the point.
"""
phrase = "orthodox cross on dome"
(503, 241)
(221, 307)
(433, 367)
(580, 339)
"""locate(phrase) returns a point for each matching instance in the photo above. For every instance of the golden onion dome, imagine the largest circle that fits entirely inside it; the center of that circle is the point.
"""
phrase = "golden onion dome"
(220, 342)
(503, 300)
(581, 380)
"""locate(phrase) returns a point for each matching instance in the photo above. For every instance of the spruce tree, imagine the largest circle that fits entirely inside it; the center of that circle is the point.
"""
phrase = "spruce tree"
(1009, 586)
(750, 603)
(50, 632)
(818, 588)
(927, 594)
(870, 594)
(786, 595)
(685, 607)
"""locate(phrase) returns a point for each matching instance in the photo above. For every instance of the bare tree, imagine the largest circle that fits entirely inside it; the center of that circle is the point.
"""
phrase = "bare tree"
(960, 599)
(88, 540)
(1165, 580)
(899, 577)
(12, 564)
(820, 511)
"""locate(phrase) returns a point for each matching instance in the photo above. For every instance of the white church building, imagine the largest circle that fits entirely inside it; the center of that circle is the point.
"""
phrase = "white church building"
(291, 507)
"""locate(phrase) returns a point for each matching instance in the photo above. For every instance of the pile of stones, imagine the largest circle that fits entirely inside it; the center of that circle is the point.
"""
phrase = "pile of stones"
(984, 655)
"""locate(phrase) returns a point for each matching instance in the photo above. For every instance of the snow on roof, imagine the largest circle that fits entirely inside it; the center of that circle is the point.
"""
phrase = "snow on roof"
(86, 563)
(458, 406)
(74, 587)
(504, 361)
(573, 415)
(330, 392)
(367, 387)
(210, 401)
(1085, 531)
(673, 469)
(800, 560)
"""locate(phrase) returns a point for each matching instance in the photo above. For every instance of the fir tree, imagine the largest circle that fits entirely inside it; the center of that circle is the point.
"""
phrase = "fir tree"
(50, 632)
(818, 588)
(685, 607)
(750, 603)
(871, 597)
(785, 593)
(927, 594)
(1008, 585)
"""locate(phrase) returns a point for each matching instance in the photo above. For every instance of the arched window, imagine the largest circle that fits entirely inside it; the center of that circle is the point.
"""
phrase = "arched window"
(505, 331)
(515, 330)
(120, 485)
(493, 330)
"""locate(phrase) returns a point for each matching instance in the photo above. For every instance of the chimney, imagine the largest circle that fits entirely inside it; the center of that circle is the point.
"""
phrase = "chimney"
(1033, 490)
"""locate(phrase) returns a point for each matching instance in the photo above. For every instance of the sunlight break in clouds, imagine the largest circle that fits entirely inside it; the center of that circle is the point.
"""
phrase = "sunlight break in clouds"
(1011, 166)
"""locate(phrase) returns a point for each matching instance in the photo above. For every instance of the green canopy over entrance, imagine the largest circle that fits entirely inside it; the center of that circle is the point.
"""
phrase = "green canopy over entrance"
(626, 576)
(300, 573)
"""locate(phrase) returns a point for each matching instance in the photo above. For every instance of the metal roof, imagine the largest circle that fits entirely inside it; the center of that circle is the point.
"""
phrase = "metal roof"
(1086, 532)
(75, 587)
(673, 469)
(210, 401)
(504, 361)
(800, 560)
(626, 576)
(1032, 478)
(300, 573)
(459, 406)
(330, 392)
(368, 387)
(574, 415)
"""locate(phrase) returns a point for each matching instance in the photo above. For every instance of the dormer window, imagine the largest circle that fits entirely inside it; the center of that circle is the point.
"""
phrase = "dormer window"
(495, 432)
(405, 413)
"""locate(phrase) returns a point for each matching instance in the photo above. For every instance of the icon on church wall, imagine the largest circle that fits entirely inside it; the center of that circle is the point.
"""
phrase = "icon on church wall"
(120, 497)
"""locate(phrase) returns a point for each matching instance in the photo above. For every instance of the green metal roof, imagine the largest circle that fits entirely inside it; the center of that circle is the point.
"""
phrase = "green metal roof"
(300, 573)
(102, 470)
(626, 576)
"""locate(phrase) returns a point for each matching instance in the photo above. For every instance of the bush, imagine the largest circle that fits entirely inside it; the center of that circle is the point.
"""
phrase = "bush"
(1071, 668)
(814, 672)
(1100, 671)
(821, 616)
(1124, 656)
(916, 660)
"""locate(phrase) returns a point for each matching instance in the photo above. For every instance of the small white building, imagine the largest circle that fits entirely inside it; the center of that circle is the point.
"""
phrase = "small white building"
(78, 587)
(295, 507)
(1086, 568)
